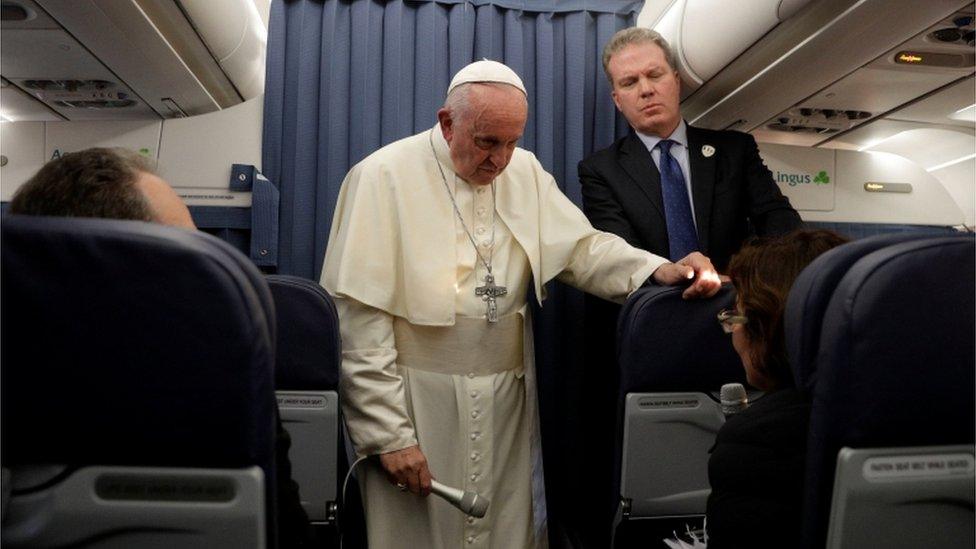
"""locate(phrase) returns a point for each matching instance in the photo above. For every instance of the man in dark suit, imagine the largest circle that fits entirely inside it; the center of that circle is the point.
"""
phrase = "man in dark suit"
(628, 191)
(671, 189)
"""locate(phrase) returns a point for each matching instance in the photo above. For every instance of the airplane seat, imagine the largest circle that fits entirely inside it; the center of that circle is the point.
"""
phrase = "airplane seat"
(893, 407)
(672, 353)
(307, 381)
(811, 293)
(137, 394)
(857, 231)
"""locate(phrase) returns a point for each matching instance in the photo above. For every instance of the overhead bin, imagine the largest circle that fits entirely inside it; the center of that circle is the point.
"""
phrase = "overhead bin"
(135, 58)
(708, 34)
(820, 44)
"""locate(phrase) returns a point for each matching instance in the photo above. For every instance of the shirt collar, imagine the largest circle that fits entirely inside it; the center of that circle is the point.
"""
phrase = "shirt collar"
(679, 135)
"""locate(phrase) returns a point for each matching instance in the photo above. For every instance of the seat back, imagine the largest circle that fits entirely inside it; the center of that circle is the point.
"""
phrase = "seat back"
(136, 359)
(810, 294)
(903, 498)
(672, 355)
(307, 380)
(895, 369)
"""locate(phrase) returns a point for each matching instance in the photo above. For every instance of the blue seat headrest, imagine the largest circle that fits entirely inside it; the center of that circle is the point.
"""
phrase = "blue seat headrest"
(808, 299)
(666, 343)
(309, 348)
(130, 343)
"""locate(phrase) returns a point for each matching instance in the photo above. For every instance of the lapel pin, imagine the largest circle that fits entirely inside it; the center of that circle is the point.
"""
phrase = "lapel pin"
(708, 150)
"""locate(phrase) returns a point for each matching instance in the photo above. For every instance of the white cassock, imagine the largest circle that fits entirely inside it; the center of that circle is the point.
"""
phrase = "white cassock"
(421, 364)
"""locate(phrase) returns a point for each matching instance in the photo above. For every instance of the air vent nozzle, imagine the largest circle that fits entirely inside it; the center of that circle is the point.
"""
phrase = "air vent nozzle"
(68, 85)
(10, 12)
(813, 120)
(95, 104)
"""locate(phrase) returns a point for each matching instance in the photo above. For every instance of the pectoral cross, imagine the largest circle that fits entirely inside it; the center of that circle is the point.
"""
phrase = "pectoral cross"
(488, 293)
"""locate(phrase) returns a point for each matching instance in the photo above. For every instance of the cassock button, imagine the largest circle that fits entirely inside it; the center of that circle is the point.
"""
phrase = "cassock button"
(481, 211)
(474, 414)
(470, 539)
(481, 190)
(471, 375)
(481, 230)
(474, 477)
(474, 436)
(470, 520)
(474, 456)
(474, 394)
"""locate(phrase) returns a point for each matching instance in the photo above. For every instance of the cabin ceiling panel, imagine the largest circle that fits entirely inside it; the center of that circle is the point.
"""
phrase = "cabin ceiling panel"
(865, 136)
(928, 147)
(46, 53)
(938, 108)
(17, 106)
(877, 90)
(823, 44)
(30, 56)
(799, 139)
(36, 17)
(880, 87)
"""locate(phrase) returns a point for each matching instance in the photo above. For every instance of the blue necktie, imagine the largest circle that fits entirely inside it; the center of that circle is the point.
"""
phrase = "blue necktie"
(682, 237)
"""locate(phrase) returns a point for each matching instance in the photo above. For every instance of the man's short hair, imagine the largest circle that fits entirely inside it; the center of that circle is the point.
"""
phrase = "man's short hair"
(98, 182)
(636, 35)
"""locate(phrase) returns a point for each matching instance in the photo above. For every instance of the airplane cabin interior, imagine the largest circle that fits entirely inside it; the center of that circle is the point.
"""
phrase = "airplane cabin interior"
(145, 368)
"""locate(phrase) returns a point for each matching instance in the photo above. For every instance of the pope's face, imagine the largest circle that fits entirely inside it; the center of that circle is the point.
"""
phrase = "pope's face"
(482, 140)
(646, 89)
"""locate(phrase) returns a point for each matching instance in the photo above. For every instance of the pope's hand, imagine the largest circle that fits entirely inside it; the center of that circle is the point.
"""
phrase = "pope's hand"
(694, 268)
(407, 467)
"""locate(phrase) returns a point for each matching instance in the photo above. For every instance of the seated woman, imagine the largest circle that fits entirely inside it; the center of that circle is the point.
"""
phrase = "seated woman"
(756, 466)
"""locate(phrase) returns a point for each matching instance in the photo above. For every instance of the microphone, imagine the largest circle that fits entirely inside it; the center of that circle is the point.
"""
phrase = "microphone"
(469, 503)
(734, 398)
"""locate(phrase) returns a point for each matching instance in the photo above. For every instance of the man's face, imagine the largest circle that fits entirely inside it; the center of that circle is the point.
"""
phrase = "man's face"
(167, 207)
(482, 142)
(646, 89)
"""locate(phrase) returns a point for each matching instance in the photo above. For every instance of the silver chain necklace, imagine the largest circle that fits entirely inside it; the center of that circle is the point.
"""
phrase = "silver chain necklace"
(489, 292)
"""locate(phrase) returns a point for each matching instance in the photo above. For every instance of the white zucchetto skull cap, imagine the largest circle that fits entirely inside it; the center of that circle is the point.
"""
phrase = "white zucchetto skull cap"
(486, 71)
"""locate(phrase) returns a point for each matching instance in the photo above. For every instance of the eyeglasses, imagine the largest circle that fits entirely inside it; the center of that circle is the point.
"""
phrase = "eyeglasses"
(729, 318)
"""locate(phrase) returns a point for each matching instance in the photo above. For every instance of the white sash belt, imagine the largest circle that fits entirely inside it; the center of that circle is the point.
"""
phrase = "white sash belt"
(471, 346)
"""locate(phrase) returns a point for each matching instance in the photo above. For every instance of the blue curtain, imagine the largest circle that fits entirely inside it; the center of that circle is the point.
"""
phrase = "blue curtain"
(346, 77)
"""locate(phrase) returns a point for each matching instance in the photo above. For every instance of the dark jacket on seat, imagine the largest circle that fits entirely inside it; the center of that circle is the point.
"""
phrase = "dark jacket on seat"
(756, 472)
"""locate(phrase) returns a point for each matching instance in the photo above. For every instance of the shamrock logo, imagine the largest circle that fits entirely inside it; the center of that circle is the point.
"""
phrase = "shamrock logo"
(822, 178)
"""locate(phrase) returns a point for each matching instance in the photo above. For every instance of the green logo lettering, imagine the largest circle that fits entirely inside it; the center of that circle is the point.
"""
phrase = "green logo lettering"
(822, 178)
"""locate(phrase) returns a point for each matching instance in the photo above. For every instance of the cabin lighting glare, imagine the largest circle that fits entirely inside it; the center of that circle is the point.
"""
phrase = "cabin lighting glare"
(951, 163)
(877, 142)
(967, 114)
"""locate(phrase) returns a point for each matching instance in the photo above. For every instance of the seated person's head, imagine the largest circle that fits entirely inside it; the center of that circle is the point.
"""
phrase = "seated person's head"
(763, 273)
(104, 183)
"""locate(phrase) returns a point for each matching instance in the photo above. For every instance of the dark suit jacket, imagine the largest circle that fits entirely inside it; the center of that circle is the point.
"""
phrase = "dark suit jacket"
(730, 190)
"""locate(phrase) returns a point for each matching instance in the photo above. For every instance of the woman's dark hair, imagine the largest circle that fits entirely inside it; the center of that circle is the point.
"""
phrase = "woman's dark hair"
(763, 272)
(97, 182)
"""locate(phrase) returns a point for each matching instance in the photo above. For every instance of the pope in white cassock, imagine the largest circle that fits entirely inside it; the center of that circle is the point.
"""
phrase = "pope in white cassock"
(434, 243)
